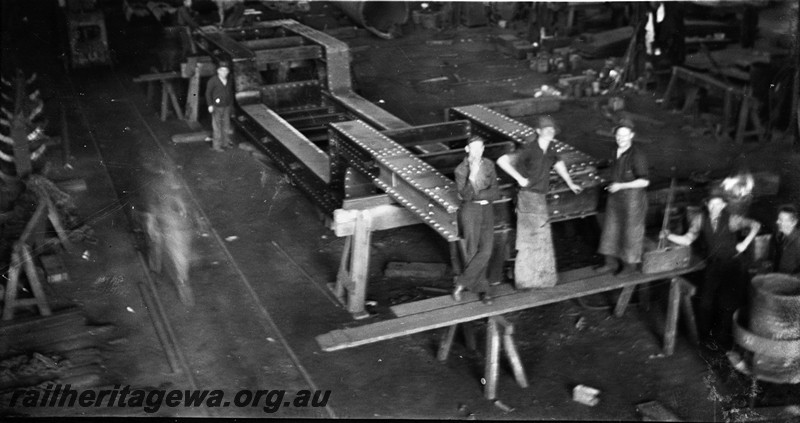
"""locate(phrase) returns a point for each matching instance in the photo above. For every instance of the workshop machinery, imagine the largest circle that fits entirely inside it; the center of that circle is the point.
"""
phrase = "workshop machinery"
(88, 38)
(358, 163)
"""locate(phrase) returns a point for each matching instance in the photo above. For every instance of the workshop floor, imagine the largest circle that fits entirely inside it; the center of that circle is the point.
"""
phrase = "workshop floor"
(262, 258)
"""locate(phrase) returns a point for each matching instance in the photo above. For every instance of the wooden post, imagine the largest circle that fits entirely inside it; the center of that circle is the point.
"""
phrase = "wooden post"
(672, 316)
(351, 279)
(511, 352)
(21, 258)
(670, 87)
(343, 276)
(55, 220)
(687, 293)
(164, 94)
(744, 110)
(12, 286)
(193, 96)
(623, 300)
(33, 279)
(493, 346)
(446, 343)
(34, 229)
(690, 102)
(174, 99)
(492, 364)
(359, 267)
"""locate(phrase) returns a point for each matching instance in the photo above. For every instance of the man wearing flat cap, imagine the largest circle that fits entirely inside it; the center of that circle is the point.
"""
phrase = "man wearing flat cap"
(530, 166)
(724, 285)
(219, 97)
(626, 207)
(476, 182)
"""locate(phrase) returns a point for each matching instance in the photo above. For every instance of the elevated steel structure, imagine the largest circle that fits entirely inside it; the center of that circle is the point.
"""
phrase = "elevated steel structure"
(295, 102)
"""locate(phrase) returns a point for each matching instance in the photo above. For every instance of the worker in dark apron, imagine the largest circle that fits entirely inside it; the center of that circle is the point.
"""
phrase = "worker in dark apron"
(476, 182)
(725, 281)
(529, 165)
(626, 206)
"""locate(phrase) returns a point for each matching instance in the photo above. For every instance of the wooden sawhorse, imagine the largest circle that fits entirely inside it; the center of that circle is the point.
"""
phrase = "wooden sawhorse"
(494, 345)
(680, 294)
(357, 226)
(22, 260)
(732, 96)
(168, 94)
(444, 312)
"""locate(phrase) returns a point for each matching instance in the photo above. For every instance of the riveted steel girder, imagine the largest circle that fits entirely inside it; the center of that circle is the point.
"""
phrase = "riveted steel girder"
(408, 180)
(491, 124)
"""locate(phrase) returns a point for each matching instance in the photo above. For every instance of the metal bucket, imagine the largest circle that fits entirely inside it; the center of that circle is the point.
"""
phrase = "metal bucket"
(775, 307)
(773, 333)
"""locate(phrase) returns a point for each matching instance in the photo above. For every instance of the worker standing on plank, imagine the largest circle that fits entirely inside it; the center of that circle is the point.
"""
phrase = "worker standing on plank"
(530, 165)
(786, 242)
(626, 207)
(725, 282)
(219, 98)
(476, 182)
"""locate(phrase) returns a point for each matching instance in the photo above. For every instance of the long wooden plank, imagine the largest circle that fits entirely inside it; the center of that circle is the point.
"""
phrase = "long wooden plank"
(387, 216)
(468, 311)
(163, 76)
(444, 301)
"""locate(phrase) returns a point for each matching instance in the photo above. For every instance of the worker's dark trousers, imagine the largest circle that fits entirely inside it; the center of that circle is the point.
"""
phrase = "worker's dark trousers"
(721, 293)
(221, 126)
(477, 229)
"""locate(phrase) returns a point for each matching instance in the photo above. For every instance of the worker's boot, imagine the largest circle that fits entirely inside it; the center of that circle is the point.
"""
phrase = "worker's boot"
(626, 269)
(610, 265)
(457, 292)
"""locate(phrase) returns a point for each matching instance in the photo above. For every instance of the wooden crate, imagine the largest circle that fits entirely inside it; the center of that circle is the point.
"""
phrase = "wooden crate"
(671, 257)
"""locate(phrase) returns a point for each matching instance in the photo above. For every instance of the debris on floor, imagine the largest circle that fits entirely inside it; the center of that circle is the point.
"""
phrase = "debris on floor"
(586, 395)
(653, 411)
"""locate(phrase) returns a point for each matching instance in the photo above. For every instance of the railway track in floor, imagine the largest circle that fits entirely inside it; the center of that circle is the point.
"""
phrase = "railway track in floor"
(178, 356)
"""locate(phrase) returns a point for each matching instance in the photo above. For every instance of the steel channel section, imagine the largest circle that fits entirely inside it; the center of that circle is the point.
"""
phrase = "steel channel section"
(244, 66)
(488, 122)
(300, 174)
(307, 165)
(437, 133)
(562, 203)
(408, 180)
(304, 150)
(339, 83)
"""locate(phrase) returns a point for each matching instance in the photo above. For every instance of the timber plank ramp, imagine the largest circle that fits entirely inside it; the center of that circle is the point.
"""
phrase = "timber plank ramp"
(443, 311)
